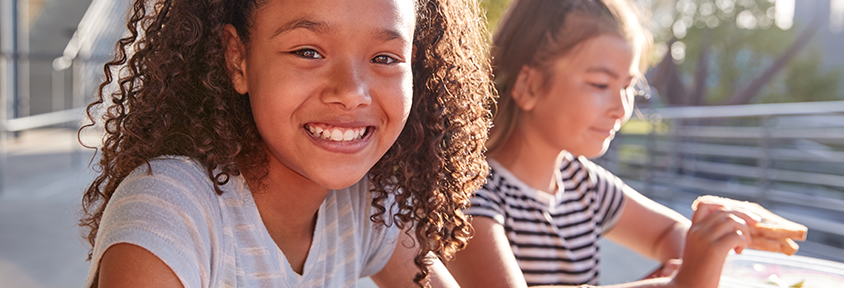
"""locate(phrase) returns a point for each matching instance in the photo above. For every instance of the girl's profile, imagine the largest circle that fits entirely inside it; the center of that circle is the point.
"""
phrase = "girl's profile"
(276, 143)
(566, 72)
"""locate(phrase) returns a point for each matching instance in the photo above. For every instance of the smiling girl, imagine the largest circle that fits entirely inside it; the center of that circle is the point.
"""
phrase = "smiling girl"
(274, 143)
(566, 70)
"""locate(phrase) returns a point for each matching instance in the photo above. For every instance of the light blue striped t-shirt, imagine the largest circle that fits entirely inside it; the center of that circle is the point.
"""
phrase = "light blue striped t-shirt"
(212, 240)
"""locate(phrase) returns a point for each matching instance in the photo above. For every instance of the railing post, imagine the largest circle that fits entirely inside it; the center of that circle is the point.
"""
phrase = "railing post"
(650, 148)
(674, 157)
(764, 160)
(8, 77)
(77, 101)
(58, 89)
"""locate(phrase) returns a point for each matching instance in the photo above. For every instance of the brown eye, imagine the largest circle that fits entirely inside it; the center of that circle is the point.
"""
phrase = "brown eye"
(308, 54)
(383, 59)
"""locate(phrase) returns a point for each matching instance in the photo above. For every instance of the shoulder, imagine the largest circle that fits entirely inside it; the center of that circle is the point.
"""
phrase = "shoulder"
(497, 194)
(169, 191)
(169, 207)
(576, 170)
(174, 179)
(501, 183)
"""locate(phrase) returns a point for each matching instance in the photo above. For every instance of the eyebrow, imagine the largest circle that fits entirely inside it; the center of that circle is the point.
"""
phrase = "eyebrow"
(602, 69)
(387, 35)
(324, 28)
(303, 23)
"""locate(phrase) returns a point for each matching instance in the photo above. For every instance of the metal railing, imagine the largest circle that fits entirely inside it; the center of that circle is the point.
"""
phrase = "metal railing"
(789, 157)
(60, 103)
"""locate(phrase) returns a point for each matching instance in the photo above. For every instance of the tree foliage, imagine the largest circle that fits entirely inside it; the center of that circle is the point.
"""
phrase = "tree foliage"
(732, 52)
(494, 10)
(712, 52)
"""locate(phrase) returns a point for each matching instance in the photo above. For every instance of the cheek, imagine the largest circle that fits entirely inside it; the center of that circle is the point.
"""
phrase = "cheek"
(398, 98)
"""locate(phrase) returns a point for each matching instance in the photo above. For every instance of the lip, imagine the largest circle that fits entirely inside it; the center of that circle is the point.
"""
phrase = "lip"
(604, 132)
(343, 147)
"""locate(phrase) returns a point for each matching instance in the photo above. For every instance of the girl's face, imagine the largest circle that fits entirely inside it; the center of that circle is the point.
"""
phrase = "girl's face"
(329, 83)
(582, 104)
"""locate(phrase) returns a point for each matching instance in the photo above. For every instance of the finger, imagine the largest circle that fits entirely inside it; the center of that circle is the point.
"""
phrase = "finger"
(723, 230)
(732, 232)
(713, 219)
(736, 240)
(749, 217)
(705, 209)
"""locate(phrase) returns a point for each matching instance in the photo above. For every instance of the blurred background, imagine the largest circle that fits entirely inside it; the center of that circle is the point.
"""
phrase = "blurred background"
(746, 101)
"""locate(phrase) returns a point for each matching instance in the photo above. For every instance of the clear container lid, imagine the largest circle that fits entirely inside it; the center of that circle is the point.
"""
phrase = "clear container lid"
(760, 269)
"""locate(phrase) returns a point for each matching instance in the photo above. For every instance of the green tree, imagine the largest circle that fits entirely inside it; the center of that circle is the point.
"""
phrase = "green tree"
(804, 80)
(731, 52)
(494, 9)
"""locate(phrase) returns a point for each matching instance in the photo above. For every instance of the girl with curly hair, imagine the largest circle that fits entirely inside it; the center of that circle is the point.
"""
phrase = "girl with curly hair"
(274, 143)
(566, 71)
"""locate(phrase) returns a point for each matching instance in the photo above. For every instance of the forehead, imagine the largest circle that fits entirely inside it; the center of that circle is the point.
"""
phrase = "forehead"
(608, 51)
(272, 16)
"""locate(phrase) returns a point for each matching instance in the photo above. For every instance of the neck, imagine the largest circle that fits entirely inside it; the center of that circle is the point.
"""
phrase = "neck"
(283, 193)
(533, 163)
(288, 205)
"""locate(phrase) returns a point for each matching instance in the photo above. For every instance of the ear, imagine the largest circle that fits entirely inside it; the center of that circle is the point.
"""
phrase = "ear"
(235, 58)
(525, 90)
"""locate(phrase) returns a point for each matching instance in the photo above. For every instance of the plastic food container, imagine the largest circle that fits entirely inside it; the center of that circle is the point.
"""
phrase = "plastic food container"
(754, 269)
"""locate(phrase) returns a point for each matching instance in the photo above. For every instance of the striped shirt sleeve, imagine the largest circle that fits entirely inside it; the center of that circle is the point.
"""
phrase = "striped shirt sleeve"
(487, 202)
(610, 193)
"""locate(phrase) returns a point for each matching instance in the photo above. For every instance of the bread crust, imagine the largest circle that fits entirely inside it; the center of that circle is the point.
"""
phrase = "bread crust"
(772, 233)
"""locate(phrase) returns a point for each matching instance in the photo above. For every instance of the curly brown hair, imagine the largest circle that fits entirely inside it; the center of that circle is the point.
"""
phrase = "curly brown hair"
(174, 97)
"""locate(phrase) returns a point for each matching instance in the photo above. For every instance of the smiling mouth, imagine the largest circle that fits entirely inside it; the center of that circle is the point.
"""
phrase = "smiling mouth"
(337, 134)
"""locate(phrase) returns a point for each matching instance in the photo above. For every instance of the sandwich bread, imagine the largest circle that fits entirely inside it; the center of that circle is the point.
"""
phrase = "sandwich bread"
(772, 233)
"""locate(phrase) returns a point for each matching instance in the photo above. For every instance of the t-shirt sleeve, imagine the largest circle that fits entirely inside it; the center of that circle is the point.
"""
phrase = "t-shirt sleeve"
(487, 202)
(166, 213)
(610, 193)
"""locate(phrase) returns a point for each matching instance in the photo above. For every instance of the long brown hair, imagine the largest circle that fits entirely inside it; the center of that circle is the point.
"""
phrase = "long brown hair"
(175, 97)
(534, 33)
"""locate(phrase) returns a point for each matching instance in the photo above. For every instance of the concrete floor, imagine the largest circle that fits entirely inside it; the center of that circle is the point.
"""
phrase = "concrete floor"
(40, 244)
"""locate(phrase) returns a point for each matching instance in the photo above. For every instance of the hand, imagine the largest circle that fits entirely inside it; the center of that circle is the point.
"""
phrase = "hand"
(714, 232)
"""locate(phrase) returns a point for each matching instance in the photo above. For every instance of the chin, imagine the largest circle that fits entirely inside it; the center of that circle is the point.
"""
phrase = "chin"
(600, 151)
(337, 183)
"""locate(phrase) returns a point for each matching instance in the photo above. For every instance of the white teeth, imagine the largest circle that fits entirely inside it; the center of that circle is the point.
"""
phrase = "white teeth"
(348, 135)
(336, 133)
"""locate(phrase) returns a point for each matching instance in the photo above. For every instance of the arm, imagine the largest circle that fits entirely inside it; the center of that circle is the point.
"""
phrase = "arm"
(400, 269)
(488, 260)
(649, 228)
(124, 264)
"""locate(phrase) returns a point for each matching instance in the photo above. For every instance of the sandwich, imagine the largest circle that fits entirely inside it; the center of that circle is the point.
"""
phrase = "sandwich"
(772, 233)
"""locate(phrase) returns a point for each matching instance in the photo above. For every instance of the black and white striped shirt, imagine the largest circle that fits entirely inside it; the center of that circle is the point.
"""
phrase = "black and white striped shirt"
(554, 237)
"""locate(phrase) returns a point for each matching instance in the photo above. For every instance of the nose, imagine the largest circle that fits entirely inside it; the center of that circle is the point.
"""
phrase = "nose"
(348, 87)
(621, 104)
